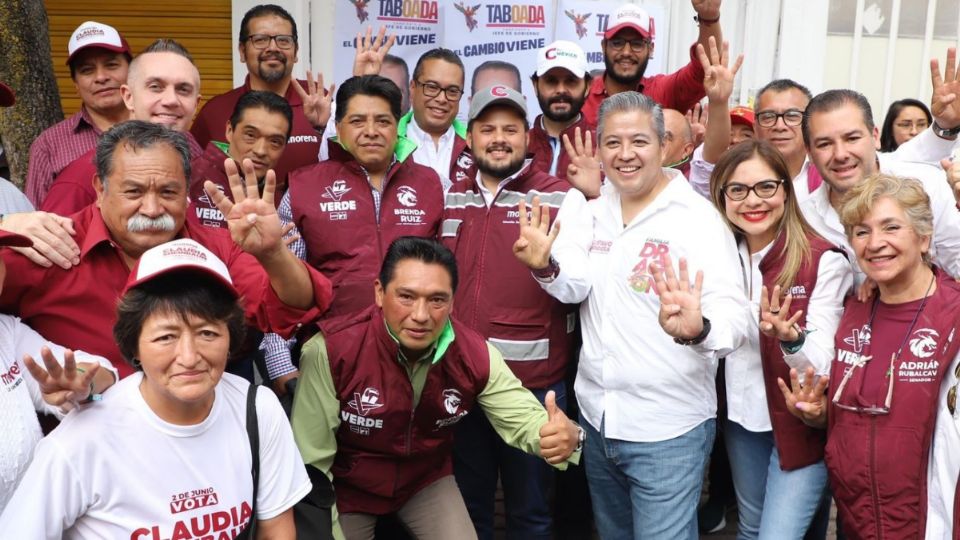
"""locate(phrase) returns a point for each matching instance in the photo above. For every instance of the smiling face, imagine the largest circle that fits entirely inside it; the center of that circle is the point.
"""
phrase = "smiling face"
(270, 64)
(625, 65)
(842, 147)
(498, 141)
(182, 360)
(368, 131)
(163, 88)
(260, 136)
(435, 114)
(758, 218)
(561, 94)
(631, 153)
(97, 76)
(887, 247)
(416, 304)
(787, 139)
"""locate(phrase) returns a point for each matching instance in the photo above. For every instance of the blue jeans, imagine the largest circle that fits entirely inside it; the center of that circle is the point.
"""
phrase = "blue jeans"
(480, 456)
(647, 489)
(772, 503)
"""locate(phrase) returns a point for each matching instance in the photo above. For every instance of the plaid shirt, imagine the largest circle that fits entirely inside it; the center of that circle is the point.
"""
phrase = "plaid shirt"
(56, 148)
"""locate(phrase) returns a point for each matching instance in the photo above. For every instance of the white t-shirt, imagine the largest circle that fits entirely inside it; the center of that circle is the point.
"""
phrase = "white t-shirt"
(632, 375)
(20, 399)
(116, 470)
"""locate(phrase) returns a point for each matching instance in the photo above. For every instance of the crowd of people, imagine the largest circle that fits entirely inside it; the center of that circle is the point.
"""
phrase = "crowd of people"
(342, 312)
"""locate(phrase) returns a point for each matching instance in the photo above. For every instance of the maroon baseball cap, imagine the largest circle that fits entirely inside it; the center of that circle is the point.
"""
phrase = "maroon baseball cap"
(94, 34)
(7, 97)
(742, 115)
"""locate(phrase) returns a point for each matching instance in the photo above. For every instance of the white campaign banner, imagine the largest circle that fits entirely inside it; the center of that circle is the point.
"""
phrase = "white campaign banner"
(584, 22)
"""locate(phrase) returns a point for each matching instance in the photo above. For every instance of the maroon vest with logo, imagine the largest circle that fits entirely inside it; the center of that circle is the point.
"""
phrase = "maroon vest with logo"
(542, 150)
(208, 166)
(798, 445)
(878, 464)
(388, 447)
(497, 295)
(334, 211)
(462, 164)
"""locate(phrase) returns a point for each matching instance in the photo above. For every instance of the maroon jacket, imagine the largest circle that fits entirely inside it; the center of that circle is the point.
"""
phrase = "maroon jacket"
(208, 166)
(878, 464)
(303, 145)
(388, 447)
(333, 208)
(798, 445)
(542, 151)
(497, 296)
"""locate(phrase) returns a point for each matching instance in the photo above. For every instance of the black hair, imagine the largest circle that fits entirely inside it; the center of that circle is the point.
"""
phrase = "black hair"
(263, 10)
(421, 249)
(437, 54)
(778, 86)
(495, 64)
(183, 293)
(138, 135)
(269, 101)
(832, 100)
(887, 142)
(369, 85)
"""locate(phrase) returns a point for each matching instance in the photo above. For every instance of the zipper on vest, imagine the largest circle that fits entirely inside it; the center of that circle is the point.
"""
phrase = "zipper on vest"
(482, 259)
(874, 490)
(409, 439)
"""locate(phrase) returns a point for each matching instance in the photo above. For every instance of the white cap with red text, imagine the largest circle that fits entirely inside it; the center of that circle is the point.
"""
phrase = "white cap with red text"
(630, 16)
(94, 34)
(179, 255)
(562, 54)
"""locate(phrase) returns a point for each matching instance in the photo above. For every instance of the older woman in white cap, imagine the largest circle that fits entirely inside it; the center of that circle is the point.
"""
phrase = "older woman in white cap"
(168, 451)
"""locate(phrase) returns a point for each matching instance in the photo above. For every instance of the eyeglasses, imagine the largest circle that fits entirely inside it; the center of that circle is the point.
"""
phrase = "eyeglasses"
(907, 124)
(791, 117)
(262, 41)
(431, 89)
(872, 410)
(952, 393)
(636, 45)
(764, 189)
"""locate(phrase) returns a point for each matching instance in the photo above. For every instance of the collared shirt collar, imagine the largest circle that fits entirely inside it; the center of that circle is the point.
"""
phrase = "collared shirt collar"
(98, 232)
(421, 137)
(438, 348)
(292, 96)
(489, 197)
(83, 121)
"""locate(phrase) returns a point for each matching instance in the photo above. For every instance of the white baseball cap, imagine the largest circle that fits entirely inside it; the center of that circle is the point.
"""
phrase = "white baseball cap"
(630, 16)
(562, 54)
(94, 34)
(181, 255)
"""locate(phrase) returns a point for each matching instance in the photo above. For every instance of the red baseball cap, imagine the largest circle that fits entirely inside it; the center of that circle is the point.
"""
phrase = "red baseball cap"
(7, 97)
(630, 16)
(742, 115)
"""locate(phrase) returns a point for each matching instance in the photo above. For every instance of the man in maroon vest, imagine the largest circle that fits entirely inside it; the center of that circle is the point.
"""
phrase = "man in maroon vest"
(561, 83)
(268, 46)
(503, 302)
(383, 389)
(349, 208)
(257, 130)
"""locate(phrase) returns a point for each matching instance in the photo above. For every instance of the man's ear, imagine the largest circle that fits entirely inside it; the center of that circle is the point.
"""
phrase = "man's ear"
(127, 96)
(378, 293)
(469, 140)
(100, 189)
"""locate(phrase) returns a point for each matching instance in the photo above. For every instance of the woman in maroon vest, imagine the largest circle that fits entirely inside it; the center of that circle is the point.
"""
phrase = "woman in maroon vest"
(795, 282)
(890, 413)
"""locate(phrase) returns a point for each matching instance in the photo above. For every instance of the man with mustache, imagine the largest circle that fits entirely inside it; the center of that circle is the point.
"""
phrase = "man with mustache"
(98, 59)
(561, 83)
(501, 300)
(268, 45)
(163, 87)
(141, 184)
(627, 47)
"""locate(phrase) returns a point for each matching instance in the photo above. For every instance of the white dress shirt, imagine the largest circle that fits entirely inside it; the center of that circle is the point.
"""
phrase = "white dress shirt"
(746, 393)
(945, 245)
(632, 375)
(437, 155)
(944, 463)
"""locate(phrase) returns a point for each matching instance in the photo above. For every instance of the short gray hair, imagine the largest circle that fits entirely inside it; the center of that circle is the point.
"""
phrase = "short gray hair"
(629, 102)
(138, 135)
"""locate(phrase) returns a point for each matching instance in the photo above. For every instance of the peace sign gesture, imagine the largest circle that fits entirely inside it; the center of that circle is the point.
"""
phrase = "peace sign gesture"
(583, 172)
(316, 100)
(806, 402)
(536, 239)
(680, 314)
(371, 50)
(775, 320)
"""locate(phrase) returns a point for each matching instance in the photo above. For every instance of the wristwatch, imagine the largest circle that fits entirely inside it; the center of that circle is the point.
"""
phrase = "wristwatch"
(581, 437)
(698, 339)
(944, 133)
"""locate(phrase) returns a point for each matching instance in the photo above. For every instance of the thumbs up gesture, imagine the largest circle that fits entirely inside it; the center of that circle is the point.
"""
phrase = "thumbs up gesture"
(559, 437)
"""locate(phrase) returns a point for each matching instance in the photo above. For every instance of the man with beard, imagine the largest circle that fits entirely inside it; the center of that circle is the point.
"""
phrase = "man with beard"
(98, 61)
(268, 46)
(627, 47)
(561, 82)
(501, 300)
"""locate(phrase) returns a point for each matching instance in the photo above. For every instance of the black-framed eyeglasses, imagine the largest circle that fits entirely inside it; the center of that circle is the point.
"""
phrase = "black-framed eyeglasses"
(636, 45)
(262, 41)
(763, 189)
(791, 117)
(431, 89)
